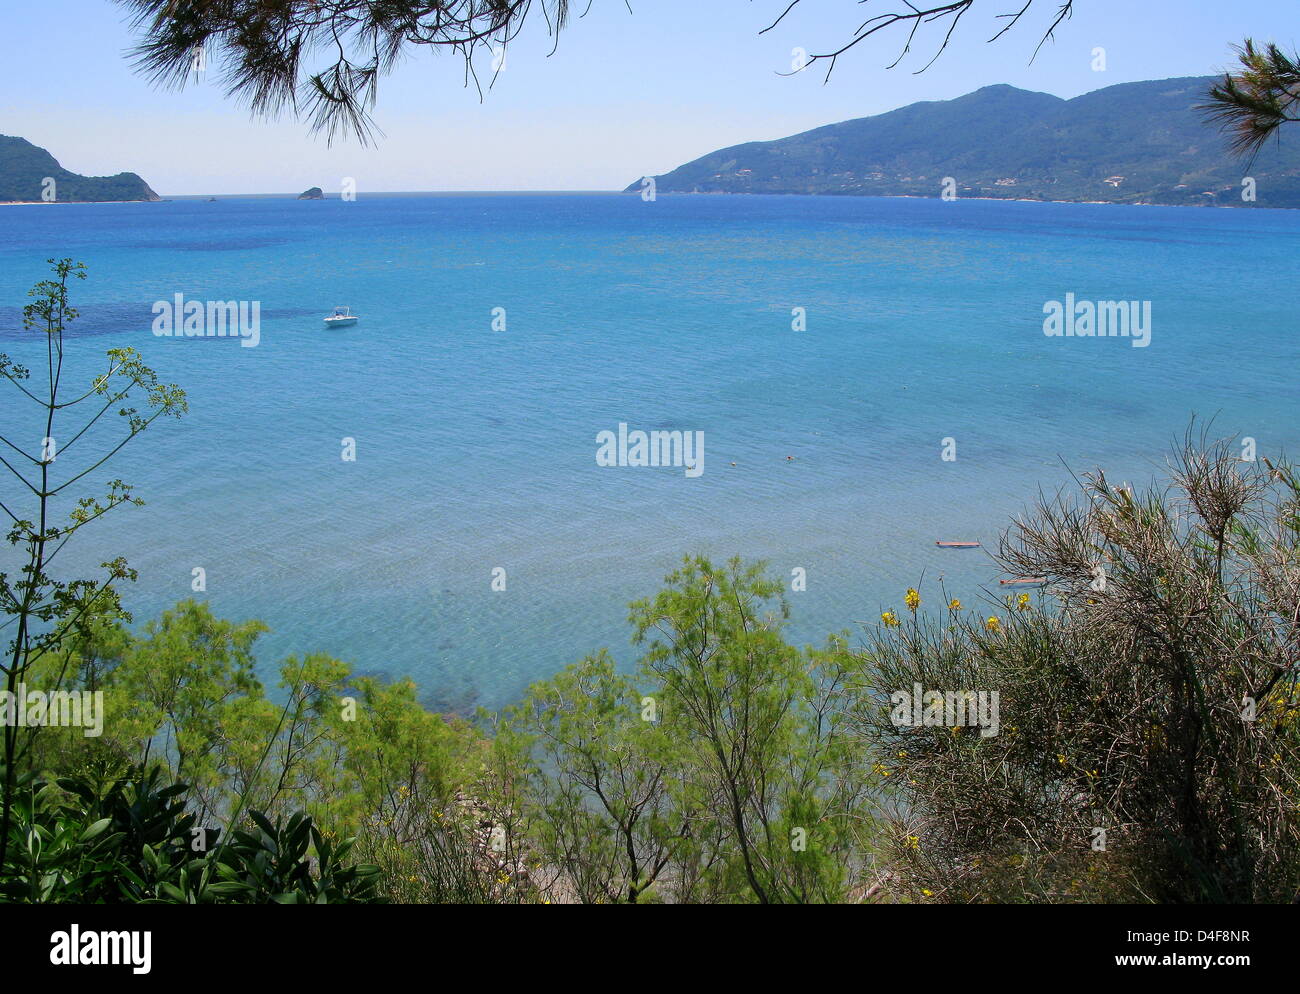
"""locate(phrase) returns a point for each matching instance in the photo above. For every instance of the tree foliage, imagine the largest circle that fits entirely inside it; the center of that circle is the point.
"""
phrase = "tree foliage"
(132, 840)
(41, 608)
(323, 60)
(1149, 747)
(1253, 101)
(722, 771)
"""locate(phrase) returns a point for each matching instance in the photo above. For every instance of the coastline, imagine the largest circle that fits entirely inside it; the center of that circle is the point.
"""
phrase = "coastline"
(996, 200)
(52, 203)
(671, 193)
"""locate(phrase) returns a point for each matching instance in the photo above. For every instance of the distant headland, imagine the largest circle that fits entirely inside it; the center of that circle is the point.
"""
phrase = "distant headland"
(315, 193)
(30, 175)
(1133, 143)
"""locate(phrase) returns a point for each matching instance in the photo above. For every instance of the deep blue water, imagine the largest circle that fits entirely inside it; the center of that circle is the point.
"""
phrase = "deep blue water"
(476, 448)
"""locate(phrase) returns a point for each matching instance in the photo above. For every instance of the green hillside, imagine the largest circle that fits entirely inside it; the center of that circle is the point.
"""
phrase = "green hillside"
(1131, 143)
(24, 167)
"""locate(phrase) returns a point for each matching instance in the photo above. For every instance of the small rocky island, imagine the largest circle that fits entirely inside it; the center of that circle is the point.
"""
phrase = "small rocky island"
(315, 193)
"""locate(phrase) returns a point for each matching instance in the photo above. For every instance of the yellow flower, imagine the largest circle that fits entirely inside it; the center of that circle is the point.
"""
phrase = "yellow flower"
(927, 893)
(993, 624)
(954, 605)
(1060, 759)
(912, 599)
(890, 619)
(1022, 602)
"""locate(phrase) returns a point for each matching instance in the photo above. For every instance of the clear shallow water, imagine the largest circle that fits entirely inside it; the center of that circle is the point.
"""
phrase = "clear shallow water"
(476, 449)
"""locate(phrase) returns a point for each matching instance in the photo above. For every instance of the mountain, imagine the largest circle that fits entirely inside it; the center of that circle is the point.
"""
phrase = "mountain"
(1131, 143)
(315, 193)
(24, 168)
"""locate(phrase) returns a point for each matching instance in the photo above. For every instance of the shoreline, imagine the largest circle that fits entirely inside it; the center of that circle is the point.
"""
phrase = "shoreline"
(65, 203)
(69, 203)
(987, 199)
(662, 193)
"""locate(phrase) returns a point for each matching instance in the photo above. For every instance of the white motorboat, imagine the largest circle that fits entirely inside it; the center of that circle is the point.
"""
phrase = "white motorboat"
(341, 318)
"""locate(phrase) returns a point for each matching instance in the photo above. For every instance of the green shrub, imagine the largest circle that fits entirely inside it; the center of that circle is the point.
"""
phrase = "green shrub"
(130, 840)
(1149, 747)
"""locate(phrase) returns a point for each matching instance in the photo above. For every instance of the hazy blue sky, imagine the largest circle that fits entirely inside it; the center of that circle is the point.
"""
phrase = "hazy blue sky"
(626, 94)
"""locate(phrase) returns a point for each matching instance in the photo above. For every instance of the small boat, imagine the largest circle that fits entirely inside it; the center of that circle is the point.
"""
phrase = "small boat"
(341, 318)
(958, 545)
(1024, 581)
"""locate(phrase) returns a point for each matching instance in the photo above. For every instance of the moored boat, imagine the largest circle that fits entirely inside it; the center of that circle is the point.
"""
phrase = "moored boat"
(341, 318)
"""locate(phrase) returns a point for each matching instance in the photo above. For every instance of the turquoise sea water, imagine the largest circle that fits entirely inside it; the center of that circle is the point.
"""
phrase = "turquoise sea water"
(476, 448)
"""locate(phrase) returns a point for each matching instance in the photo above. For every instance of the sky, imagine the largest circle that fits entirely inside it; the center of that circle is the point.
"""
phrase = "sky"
(627, 93)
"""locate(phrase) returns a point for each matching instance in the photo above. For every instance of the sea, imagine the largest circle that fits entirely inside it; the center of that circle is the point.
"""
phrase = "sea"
(421, 495)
